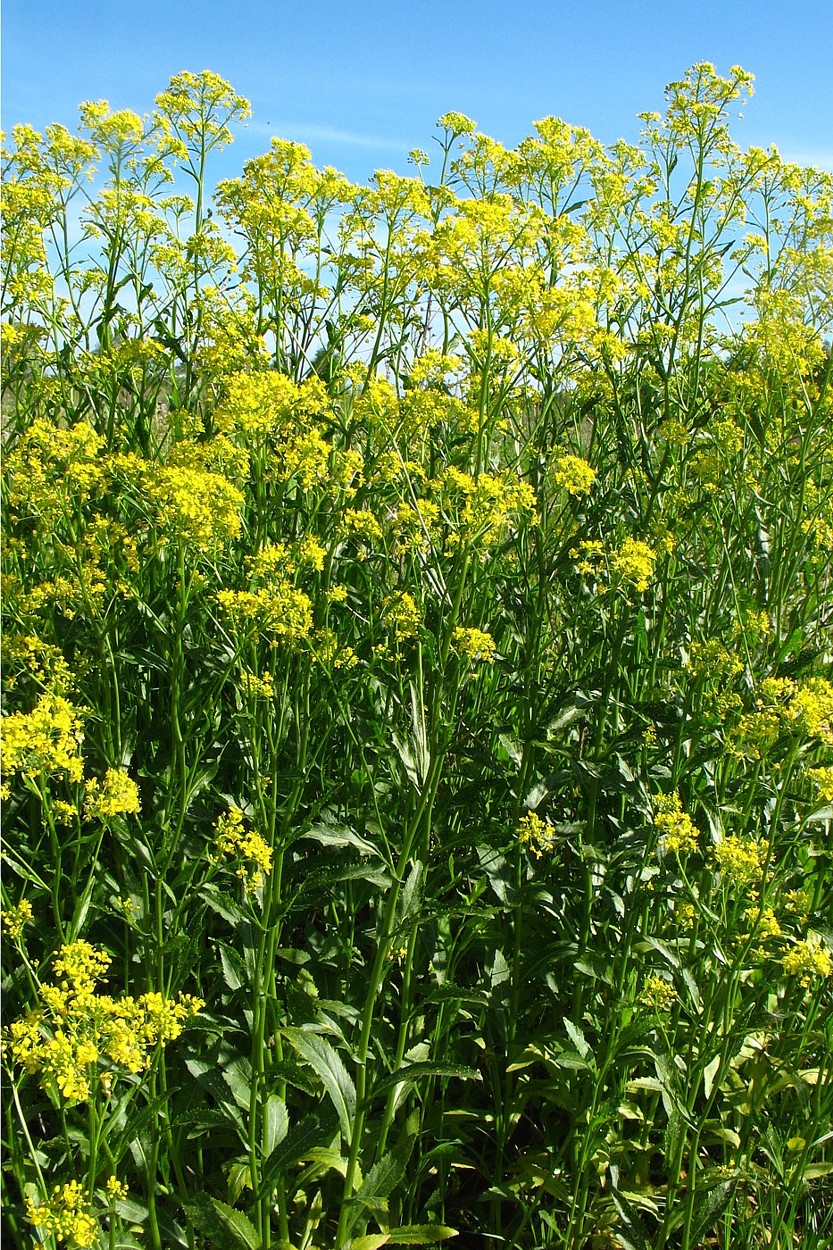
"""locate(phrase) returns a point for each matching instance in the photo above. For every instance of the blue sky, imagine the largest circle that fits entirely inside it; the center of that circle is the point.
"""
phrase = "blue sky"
(361, 82)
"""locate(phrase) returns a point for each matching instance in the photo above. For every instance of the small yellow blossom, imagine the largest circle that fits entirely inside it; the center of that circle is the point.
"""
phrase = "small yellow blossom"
(400, 612)
(741, 860)
(233, 840)
(116, 1189)
(808, 960)
(16, 918)
(812, 708)
(45, 740)
(822, 779)
(75, 1027)
(474, 644)
(633, 563)
(675, 827)
(66, 1213)
(117, 795)
(657, 995)
(537, 835)
(574, 475)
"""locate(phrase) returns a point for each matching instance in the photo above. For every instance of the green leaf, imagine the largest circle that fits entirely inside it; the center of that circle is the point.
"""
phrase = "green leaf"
(341, 835)
(710, 1207)
(631, 1233)
(420, 1234)
(275, 1123)
(314, 1131)
(371, 1242)
(411, 897)
(238, 1225)
(338, 1083)
(413, 1072)
(577, 1038)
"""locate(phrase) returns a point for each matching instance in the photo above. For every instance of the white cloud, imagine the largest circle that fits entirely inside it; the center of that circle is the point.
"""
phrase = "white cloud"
(309, 132)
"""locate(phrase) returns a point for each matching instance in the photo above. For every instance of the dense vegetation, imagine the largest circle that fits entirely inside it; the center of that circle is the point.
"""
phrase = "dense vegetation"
(418, 735)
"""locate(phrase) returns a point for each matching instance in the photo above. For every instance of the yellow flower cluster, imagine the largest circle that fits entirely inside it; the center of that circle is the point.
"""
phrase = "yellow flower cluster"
(675, 827)
(482, 509)
(258, 687)
(46, 740)
(16, 918)
(812, 709)
(280, 610)
(822, 779)
(329, 651)
(363, 524)
(66, 1214)
(712, 660)
(39, 660)
(574, 475)
(537, 835)
(118, 794)
(52, 470)
(474, 644)
(783, 704)
(116, 1189)
(657, 995)
(271, 407)
(75, 1026)
(401, 614)
(741, 860)
(232, 839)
(633, 563)
(193, 505)
(808, 960)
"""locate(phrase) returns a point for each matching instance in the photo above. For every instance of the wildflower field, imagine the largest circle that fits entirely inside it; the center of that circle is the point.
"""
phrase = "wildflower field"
(418, 717)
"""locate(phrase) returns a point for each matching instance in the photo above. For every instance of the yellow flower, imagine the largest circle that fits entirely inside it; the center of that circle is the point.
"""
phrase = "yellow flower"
(66, 1214)
(15, 918)
(118, 794)
(75, 1026)
(741, 860)
(574, 475)
(657, 995)
(232, 839)
(45, 740)
(822, 779)
(195, 506)
(401, 613)
(474, 644)
(812, 708)
(633, 563)
(675, 827)
(808, 960)
(535, 834)
(116, 1189)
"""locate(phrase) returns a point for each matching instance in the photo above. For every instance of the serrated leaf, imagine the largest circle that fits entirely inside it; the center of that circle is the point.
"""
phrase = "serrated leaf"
(371, 1242)
(381, 1180)
(233, 966)
(710, 1207)
(238, 1077)
(341, 835)
(326, 1062)
(630, 1233)
(411, 896)
(314, 1131)
(237, 1224)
